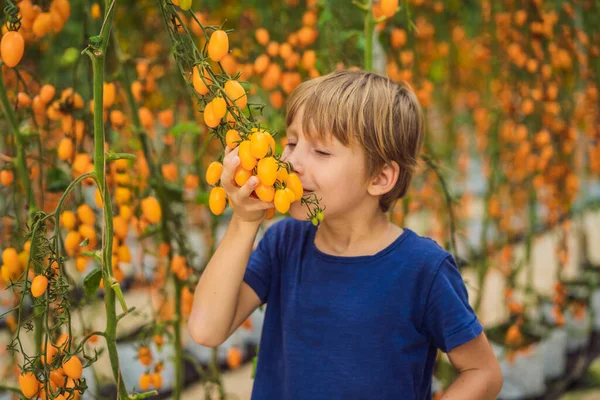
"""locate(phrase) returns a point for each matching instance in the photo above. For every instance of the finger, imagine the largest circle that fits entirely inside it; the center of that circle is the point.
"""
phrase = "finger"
(230, 164)
(264, 205)
(230, 153)
(258, 205)
(248, 187)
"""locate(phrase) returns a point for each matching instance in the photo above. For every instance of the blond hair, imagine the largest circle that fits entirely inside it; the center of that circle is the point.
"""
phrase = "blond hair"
(369, 110)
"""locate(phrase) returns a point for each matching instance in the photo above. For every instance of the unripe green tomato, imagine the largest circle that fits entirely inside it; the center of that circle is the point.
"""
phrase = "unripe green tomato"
(185, 4)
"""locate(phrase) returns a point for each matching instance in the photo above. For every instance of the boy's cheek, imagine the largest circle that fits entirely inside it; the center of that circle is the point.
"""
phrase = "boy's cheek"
(298, 211)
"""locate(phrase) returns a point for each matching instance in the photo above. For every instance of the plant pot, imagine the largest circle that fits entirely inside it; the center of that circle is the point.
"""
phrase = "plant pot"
(595, 307)
(524, 374)
(92, 391)
(578, 331)
(554, 353)
(6, 395)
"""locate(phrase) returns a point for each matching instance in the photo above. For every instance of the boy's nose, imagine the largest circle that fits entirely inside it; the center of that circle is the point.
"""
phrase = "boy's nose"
(296, 162)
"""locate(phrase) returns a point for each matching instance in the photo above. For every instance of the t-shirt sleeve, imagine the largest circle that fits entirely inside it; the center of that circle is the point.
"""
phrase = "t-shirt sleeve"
(449, 321)
(260, 266)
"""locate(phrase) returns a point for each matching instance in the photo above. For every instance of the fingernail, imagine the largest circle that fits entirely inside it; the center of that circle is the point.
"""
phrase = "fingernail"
(235, 161)
(253, 181)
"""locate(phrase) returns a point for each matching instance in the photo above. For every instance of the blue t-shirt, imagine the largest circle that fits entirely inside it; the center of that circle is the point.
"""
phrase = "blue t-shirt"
(354, 327)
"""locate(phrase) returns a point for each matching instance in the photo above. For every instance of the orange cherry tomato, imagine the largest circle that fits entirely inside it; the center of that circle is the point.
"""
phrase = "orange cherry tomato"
(39, 285)
(218, 45)
(211, 118)
(293, 182)
(259, 145)
(265, 193)
(267, 171)
(213, 172)
(12, 48)
(197, 81)
(219, 107)
(237, 93)
(282, 174)
(217, 200)
(232, 138)
(247, 160)
(241, 176)
(282, 201)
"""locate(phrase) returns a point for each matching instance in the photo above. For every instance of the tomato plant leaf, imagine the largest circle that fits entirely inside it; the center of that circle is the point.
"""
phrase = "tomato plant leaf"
(92, 281)
(173, 192)
(58, 180)
(185, 127)
(202, 198)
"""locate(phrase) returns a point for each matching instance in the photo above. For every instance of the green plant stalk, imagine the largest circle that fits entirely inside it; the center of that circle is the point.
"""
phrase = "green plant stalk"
(177, 343)
(21, 160)
(23, 175)
(494, 153)
(448, 198)
(214, 366)
(14, 389)
(97, 53)
(453, 83)
(484, 264)
(532, 212)
(369, 29)
(157, 185)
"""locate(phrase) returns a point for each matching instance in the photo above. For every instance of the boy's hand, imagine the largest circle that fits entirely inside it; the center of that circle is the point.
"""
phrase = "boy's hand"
(244, 207)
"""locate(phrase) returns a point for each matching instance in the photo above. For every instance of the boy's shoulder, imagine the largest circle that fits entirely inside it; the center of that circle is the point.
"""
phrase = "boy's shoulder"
(426, 252)
(421, 252)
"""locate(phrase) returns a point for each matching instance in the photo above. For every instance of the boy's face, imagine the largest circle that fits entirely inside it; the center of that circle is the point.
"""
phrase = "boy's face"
(334, 172)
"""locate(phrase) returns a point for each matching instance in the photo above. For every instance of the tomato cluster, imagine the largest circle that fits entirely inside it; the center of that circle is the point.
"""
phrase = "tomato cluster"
(277, 181)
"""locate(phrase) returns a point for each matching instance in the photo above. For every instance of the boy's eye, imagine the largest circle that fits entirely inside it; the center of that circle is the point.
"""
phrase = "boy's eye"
(322, 153)
(290, 144)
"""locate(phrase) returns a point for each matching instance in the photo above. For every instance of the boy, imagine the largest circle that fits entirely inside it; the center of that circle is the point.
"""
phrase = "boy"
(356, 307)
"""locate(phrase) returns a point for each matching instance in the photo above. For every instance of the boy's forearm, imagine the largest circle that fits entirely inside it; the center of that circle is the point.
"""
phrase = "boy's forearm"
(216, 295)
(475, 384)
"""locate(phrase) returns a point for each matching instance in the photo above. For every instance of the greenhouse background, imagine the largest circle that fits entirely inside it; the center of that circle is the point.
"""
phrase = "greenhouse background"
(109, 201)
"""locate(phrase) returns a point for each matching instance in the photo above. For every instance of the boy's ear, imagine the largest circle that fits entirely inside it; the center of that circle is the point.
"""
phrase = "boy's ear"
(385, 180)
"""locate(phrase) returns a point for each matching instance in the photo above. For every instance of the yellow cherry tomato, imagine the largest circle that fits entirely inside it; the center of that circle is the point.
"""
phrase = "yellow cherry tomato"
(282, 174)
(267, 171)
(293, 182)
(247, 160)
(290, 194)
(232, 138)
(210, 116)
(282, 201)
(218, 45)
(219, 107)
(39, 285)
(185, 4)
(265, 193)
(213, 172)
(259, 144)
(241, 176)
(217, 200)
